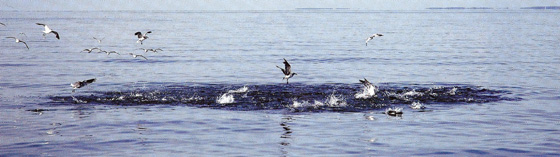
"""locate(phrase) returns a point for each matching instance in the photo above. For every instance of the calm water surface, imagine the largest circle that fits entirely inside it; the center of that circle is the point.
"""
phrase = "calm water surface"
(489, 80)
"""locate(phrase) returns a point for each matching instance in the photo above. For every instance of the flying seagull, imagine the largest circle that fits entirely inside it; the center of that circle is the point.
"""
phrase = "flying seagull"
(98, 40)
(287, 71)
(19, 41)
(153, 50)
(89, 50)
(23, 34)
(2, 24)
(135, 55)
(108, 53)
(142, 37)
(48, 30)
(373, 36)
(81, 84)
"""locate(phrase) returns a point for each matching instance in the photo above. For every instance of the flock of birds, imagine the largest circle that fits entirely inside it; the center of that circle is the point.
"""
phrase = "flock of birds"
(287, 70)
(47, 30)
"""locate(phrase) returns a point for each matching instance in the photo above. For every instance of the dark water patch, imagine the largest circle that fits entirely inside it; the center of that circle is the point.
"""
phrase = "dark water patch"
(513, 150)
(293, 97)
(477, 152)
(16, 65)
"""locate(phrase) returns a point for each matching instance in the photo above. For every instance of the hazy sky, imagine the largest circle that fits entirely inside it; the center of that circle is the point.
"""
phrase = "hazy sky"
(260, 4)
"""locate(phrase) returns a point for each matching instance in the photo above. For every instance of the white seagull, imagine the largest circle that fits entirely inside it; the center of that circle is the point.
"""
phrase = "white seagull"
(108, 53)
(98, 40)
(287, 71)
(19, 41)
(153, 50)
(373, 36)
(48, 30)
(142, 37)
(81, 84)
(135, 55)
(91, 49)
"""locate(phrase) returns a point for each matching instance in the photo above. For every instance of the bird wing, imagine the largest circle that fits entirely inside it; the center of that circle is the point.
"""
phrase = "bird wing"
(40, 24)
(148, 32)
(25, 44)
(90, 80)
(288, 67)
(142, 57)
(139, 34)
(2, 24)
(283, 71)
(12, 37)
(56, 33)
(365, 82)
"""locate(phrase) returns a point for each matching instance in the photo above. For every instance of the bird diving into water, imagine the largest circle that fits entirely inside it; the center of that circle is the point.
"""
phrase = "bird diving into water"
(142, 37)
(373, 36)
(48, 30)
(81, 84)
(287, 71)
(19, 41)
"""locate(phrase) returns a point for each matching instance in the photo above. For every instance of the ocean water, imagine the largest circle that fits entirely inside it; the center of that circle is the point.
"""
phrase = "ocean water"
(489, 81)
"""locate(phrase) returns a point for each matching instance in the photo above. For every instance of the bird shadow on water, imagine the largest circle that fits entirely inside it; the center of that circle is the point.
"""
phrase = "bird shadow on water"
(291, 97)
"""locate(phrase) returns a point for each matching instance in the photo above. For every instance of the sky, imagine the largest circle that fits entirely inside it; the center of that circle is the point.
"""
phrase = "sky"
(71, 5)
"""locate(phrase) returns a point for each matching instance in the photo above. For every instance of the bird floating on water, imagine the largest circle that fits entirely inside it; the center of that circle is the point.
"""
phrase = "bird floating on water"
(373, 36)
(135, 55)
(91, 49)
(81, 84)
(153, 50)
(287, 71)
(48, 30)
(394, 111)
(19, 41)
(98, 40)
(142, 37)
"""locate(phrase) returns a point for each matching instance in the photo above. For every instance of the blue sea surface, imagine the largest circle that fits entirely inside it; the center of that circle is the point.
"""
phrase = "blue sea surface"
(489, 81)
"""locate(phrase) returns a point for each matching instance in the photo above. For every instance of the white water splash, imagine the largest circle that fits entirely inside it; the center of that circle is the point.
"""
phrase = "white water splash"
(240, 90)
(367, 92)
(417, 106)
(331, 101)
(412, 93)
(452, 91)
(226, 98)
(335, 101)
